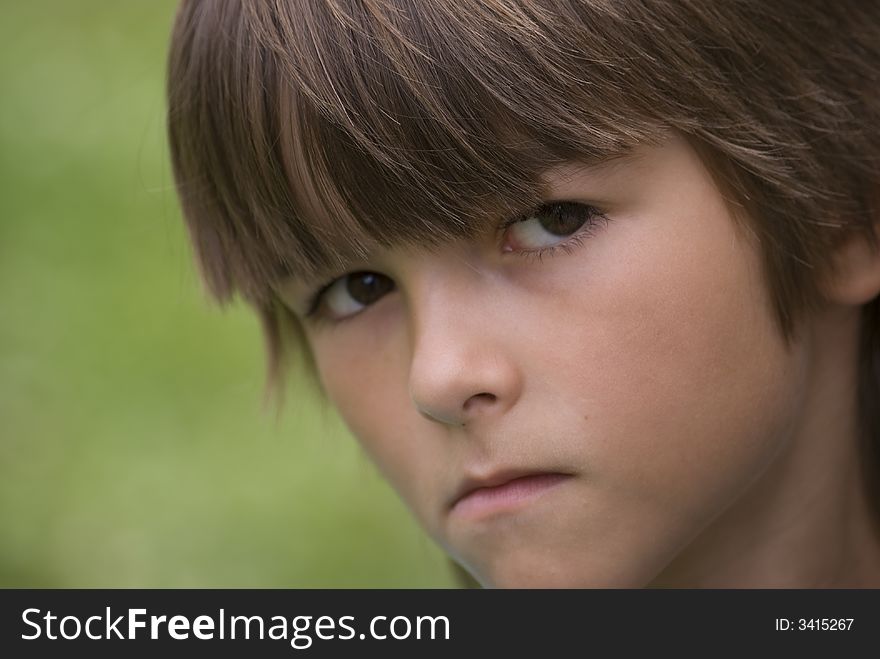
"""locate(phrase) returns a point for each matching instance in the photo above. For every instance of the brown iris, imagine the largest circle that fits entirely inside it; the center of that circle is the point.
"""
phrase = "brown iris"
(367, 287)
(562, 219)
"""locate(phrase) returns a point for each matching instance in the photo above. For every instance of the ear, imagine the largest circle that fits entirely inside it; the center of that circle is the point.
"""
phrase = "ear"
(853, 278)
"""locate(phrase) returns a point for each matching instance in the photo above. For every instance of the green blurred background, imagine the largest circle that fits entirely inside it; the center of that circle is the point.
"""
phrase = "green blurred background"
(135, 449)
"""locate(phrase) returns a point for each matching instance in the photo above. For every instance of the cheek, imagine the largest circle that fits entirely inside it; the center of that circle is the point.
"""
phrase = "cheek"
(687, 386)
(366, 382)
(700, 386)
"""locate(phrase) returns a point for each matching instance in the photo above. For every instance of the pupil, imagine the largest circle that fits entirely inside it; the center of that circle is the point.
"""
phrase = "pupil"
(367, 287)
(562, 220)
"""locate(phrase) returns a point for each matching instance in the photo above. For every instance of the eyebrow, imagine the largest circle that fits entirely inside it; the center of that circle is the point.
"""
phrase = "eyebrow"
(598, 169)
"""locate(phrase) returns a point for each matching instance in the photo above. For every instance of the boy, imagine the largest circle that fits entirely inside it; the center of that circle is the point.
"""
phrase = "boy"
(594, 283)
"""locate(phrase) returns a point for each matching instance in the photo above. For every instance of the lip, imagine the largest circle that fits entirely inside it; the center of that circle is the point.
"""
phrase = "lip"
(502, 491)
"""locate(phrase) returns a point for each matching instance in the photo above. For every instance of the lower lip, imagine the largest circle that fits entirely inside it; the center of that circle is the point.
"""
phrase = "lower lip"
(488, 500)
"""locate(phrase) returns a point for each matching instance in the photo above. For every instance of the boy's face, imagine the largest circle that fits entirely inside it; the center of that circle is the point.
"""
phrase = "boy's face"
(634, 375)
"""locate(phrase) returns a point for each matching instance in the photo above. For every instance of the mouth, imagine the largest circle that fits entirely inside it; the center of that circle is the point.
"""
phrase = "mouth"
(502, 492)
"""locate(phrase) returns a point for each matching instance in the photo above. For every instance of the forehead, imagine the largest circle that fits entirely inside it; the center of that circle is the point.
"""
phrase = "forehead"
(568, 176)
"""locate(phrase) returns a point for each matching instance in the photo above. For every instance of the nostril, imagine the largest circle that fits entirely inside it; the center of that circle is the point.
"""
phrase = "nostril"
(478, 400)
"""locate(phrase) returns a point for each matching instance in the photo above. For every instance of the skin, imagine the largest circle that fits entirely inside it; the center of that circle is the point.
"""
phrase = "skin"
(646, 363)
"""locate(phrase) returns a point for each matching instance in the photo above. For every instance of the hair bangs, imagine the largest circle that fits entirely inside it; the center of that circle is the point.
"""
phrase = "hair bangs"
(320, 130)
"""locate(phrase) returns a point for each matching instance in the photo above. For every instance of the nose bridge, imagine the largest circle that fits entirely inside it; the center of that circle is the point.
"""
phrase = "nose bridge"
(459, 367)
(441, 303)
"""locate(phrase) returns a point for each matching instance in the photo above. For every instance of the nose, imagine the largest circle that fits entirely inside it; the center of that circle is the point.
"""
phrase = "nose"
(462, 368)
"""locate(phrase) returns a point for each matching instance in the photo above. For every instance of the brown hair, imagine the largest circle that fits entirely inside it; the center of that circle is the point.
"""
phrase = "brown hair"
(303, 132)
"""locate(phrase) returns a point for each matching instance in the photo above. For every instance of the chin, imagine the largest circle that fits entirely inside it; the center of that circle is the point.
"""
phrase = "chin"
(541, 569)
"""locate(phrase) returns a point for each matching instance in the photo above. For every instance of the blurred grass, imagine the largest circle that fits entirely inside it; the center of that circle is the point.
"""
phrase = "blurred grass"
(134, 447)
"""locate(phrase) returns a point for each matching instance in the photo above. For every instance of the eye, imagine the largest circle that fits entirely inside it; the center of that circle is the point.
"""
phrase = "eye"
(351, 294)
(548, 226)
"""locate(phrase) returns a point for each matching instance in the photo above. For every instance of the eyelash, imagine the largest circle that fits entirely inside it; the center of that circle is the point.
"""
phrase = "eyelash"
(313, 304)
(595, 220)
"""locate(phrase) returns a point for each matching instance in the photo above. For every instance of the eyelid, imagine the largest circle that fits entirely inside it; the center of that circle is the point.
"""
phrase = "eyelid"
(520, 217)
(549, 203)
(313, 301)
(596, 219)
(321, 302)
(596, 212)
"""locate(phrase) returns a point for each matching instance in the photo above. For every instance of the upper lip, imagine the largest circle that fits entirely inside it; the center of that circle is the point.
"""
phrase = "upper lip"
(472, 483)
